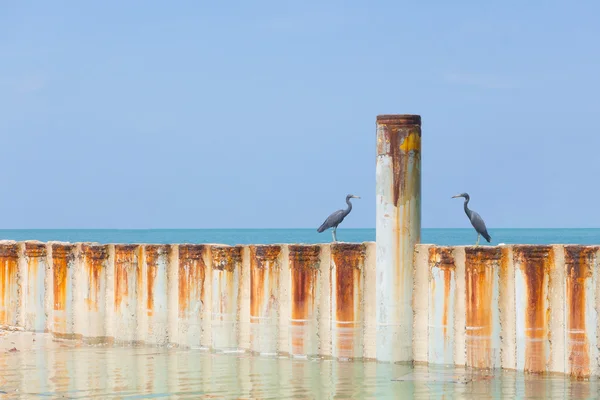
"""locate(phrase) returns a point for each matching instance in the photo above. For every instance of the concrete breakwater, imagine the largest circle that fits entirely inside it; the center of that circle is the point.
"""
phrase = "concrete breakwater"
(520, 307)
(301, 300)
(523, 307)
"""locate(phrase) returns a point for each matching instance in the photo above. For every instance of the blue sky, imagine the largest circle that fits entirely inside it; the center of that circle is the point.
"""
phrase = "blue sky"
(262, 114)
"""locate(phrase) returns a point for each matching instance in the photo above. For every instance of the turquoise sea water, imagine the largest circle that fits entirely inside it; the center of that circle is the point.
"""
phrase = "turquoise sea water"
(267, 236)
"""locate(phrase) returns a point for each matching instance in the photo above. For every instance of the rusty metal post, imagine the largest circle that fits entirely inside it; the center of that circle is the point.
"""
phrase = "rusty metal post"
(398, 211)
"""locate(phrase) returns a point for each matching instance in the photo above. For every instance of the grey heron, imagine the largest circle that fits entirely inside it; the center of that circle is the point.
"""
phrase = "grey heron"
(337, 217)
(475, 219)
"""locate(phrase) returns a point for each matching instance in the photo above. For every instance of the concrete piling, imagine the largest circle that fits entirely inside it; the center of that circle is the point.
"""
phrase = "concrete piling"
(398, 210)
(581, 270)
(347, 282)
(265, 282)
(226, 277)
(193, 291)
(533, 265)
(34, 291)
(93, 261)
(63, 268)
(306, 291)
(9, 286)
(128, 287)
(531, 308)
(156, 261)
(482, 330)
(442, 298)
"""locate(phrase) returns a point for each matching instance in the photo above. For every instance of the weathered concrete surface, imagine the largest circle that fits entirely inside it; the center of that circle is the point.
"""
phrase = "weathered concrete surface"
(398, 223)
(299, 300)
(531, 308)
(520, 307)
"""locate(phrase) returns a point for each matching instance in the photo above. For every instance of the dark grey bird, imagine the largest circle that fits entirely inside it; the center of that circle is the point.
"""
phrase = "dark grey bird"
(337, 217)
(475, 219)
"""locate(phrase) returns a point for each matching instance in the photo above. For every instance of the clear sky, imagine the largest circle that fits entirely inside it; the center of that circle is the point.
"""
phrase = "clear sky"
(190, 114)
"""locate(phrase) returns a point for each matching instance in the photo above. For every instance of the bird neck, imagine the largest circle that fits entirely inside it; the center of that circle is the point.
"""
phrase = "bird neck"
(467, 211)
(349, 208)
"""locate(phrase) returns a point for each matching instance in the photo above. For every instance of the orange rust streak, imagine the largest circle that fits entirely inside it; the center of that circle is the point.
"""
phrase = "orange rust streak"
(402, 140)
(139, 272)
(479, 314)
(225, 260)
(344, 277)
(535, 263)
(481, 263)
(124, 256)
(257, 279)
(304, 271)
(94, 264)
(303, 292)
(192, 272)
(263, 264)
(60, 282)
(8, 274)
(348, 259)
(579, 261)
(152, 255)
(32, 269)
(443, 259)
(447, 281)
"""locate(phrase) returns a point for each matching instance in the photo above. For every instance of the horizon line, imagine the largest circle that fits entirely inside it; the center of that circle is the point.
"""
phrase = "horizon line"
(249, 229)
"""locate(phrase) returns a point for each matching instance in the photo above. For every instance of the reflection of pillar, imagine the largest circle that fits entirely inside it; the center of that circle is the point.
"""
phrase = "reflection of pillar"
(398, 188)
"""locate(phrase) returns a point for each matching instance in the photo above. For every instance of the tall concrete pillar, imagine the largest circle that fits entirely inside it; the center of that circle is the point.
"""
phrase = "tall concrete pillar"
(398, 226)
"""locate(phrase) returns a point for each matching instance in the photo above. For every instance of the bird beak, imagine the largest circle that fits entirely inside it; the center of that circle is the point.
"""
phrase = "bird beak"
(356, 197)
(458, 195)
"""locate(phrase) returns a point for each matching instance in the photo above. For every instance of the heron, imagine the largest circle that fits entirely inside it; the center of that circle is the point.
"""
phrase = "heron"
(475, 219)
(337, 217)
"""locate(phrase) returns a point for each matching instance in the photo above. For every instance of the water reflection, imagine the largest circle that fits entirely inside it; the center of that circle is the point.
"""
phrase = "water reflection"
(123, 372)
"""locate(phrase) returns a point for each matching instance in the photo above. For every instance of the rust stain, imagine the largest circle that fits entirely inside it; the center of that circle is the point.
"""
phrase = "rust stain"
(9, 255)
(579, 261)
(535, 262)
(443, 259)
(192, 272)
(94, 262)
(304, 268)
(401, 139)
(304, 265)
(226, 258)
(153, 253)
(33, 253)
(503, 275)
(139, 275)
(349, 261)
(125, 257)
(264, 262)
(35, 250)
(62, 256)
(480, 266)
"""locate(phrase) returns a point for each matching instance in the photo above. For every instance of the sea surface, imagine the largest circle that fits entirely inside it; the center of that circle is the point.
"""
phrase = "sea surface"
(49, 369)
(268, 236)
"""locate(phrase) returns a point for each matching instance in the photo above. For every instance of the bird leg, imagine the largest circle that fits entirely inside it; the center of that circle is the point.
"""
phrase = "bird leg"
(478, 236)
(333, 233)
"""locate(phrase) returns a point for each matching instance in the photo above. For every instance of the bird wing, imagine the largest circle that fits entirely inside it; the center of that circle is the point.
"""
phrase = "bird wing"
(478, 223)
(334, 219)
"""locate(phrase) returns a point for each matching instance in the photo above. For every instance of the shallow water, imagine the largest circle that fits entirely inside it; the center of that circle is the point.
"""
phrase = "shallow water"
(48, 369)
